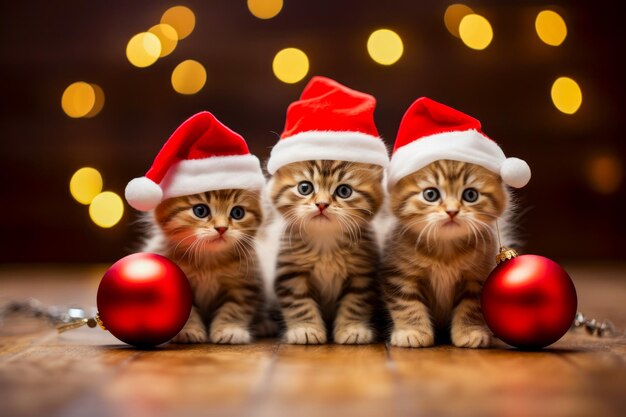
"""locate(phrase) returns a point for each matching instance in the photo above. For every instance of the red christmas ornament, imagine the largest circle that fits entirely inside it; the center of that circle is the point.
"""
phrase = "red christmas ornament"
(144, 299)
(528, 301)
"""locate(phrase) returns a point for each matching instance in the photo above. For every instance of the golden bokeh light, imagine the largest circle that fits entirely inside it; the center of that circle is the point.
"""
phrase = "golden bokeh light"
(188, 77)
(475, 31)
(167, 36)
(453, 16)
(551, 27)
(86, 183)
(290, 65)
(265, 9)
(181, 18)
(143, 49)
(78, 99)
(566, 95)
(106, 209)
(604, 173)
(385, 46)
(99, 101)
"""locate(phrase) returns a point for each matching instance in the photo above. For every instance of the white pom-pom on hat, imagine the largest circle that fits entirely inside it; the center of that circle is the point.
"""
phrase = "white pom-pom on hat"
(143, 194)
(515, 172)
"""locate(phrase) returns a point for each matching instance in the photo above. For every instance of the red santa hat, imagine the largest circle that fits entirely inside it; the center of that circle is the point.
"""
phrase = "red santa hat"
(332, 122)
(201, 155)
(431, 131)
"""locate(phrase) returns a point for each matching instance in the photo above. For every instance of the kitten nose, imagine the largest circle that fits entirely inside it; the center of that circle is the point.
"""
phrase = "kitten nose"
(221, 230)
(322, 206)
(452, 213)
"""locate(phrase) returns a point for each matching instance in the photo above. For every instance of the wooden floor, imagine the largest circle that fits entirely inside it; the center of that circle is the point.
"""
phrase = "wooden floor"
(88, 373)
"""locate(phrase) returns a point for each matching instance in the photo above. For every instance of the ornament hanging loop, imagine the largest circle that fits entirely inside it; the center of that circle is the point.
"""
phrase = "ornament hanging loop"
(504, 252)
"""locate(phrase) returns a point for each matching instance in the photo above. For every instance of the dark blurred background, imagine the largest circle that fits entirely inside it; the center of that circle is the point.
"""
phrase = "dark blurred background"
(573, 208)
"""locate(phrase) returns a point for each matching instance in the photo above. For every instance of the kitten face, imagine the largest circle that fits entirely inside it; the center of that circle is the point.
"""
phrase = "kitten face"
(327, 196)
(215, 221)
(449, 200)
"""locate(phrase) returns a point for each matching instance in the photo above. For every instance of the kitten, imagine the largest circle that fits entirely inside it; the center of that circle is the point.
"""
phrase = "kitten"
(210, 236)
(441, 251)
(328, 256)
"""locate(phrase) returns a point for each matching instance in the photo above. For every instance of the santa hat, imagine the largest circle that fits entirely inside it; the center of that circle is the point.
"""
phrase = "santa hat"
(332, 122)
(201, 155)
(431, 131)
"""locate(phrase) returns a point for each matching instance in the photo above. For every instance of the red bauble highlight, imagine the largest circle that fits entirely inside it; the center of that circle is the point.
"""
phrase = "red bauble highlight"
(144, 299)
(529, 301)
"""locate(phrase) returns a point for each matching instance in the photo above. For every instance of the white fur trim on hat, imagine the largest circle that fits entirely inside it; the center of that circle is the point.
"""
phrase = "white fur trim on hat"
(192, 176)
(465, 146)
(328, 145)
(143, 194)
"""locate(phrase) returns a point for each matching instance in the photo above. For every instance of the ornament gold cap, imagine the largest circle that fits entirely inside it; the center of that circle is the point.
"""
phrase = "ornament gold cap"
(99, 321)
(505, 254)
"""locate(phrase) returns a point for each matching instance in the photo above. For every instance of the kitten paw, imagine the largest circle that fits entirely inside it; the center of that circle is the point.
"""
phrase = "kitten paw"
(471, 337)
(305, 336)
(412, 338)
(191, 334)
(358, 334)
(232, 335)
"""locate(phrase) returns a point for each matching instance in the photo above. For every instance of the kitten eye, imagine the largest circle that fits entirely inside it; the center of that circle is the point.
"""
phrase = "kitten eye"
(305, 188)
(343, 191)
(201, 210)
(237, 213)
(431, 194)
(470, 195)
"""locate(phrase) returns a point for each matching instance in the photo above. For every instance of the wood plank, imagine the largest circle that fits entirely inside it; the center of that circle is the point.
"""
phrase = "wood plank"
(578, 376)
(46, 377)
(328, 380)
(197, 379)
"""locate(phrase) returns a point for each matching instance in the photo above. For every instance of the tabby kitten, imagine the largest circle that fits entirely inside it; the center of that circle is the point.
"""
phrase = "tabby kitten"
(210, 236)
(441, 251)
(328, 256)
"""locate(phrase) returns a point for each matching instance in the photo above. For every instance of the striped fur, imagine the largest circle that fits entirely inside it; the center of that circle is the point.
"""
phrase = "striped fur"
(327, 263)
(223, 274)
(433, 270)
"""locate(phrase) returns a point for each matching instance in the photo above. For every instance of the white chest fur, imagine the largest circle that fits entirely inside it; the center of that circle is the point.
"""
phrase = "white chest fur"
(443, 279)
(328, 274)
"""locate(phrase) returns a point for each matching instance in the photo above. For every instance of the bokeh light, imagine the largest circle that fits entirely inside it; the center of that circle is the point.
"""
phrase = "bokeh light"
(86, 183)
(385, 46)
(453, 16)
(99, 101)
(181, 18)
(78, 99)
(143, 49)
(551, 27)
(290, 65)
(265, 9)
(106, 209)
(188, 77)
(604, 173)
(167, 36)
(566, 95)
(475, 31)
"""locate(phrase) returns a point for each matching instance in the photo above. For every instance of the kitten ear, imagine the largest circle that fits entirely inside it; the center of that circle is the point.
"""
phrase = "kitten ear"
(515, 172)
(143, 194)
